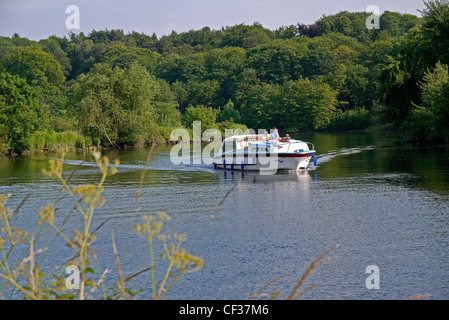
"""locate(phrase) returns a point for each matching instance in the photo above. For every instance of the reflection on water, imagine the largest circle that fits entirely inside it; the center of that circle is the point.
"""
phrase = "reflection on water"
(383, 203)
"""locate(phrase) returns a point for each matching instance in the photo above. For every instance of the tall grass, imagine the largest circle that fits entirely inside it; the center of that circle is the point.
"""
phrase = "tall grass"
(53, 141)
(27, 279)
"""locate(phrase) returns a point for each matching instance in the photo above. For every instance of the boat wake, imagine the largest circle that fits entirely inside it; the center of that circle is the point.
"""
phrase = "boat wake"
(140, 165)
(166, 165)
(326, 157)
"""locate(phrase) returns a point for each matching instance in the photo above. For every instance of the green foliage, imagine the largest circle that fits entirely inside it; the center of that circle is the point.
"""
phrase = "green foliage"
(307, 105)
(79, 51)
(166, 106)
(341, 71)
(349, 24)
(397, 24)
(204, 92)
(258, 104)
(354, 25)
(294, 106)
(106, 36)
(246, 36)
(6, 45)
(435, 32)
(53, 46)
(53, 141)
(359, 119)
(278, 61)
(360, 87)
(115, 105)
(408, 61)
(40, 69)
(398, 89)
(430, 121)
(206, 115)
(228, 113)
(21, 113)
(123, 57)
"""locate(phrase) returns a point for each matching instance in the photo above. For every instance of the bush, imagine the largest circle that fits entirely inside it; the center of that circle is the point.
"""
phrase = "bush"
(21, 113)
(351, 120)
(206, 115)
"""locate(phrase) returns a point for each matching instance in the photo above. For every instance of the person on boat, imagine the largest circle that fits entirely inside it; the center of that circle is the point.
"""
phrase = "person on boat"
(267, 136)
(286, 139)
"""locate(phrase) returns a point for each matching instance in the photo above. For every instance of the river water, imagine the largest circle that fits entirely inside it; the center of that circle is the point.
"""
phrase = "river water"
(384, 204)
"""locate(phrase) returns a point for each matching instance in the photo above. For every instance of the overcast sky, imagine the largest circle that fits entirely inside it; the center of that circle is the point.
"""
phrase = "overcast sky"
(39, 19)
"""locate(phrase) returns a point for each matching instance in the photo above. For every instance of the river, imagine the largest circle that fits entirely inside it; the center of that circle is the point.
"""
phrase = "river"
(383, 203)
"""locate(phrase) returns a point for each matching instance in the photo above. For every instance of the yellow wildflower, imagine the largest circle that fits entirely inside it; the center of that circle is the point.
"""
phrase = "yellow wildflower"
(47, 214)
(56, 166)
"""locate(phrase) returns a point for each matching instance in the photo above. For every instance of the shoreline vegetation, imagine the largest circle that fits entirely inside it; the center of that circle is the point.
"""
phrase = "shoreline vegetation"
(80, 143)
(111, 89)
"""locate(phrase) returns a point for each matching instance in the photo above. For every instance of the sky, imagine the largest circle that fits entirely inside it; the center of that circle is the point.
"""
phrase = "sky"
(39, 19)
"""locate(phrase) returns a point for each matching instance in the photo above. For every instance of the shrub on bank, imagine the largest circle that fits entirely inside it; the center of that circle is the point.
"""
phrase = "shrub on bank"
(351, 120)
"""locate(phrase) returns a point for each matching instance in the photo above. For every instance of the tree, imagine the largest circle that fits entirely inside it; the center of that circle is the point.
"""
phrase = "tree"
(21, 113)
(409, 59)
(200, 39)
(319, 61)
(38, 68)
(6, 45)
(359, 88)
(260, 105)
(204, 93)
(223, 65)
(115, 105)
(351, 24)
(245, 36)
(310, 31)
(228, 113)
(397, 24)
(278, 61)
(306, 105)
(430, 121)
(206, 115)
(106, 36)
(397, 90)
(80, 52)
(170, 68)
(53, 47)
(289, 32)
(123, 57)
(435, 32)
(166, 107)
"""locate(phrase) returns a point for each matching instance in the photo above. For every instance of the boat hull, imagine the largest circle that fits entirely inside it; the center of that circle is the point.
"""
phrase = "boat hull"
(265, 162)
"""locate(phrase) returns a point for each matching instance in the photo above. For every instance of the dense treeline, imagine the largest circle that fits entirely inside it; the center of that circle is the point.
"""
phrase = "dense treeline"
(116, 89)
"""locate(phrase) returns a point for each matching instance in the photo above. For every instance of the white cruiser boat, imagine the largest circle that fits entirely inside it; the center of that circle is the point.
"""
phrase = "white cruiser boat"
(254, 153)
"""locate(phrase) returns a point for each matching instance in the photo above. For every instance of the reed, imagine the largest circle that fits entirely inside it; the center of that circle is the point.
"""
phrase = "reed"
(295, 293)
(27, 278)
(53, 141)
